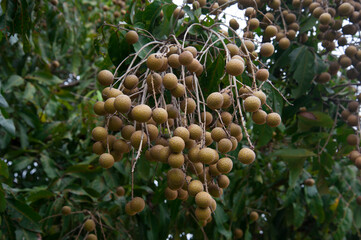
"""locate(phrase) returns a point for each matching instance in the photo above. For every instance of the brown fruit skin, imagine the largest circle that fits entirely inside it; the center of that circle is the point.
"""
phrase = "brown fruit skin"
(345, 114)
(160, 115)
(353, 140)
(127, 131)
(203, 213)
(131, 81)
(253, 216)
(261, 95)
(122, 103)
(185, 58)
(215, 100)
(352, 120)
(191, 105)
(225, 145)
(203, 199)
(353, 155)
(273, 119)
(176, 160)
(173, 61)
(170, 81)
(252, 104)
(137, 204)
(262, 74)
(89, 225)
(98, 148)
(224, 165)
(233, 24)
(115, 123)
(106, 160)
(175, 178)
(120, 191)
(99, 133)
(154, 62)
(259, 117)
(92, 237)
(352, 106)
(206, 155)
(235, 67)
(358, 162)
(182, 132)
(309, 182)
(195, 132)
(131, 37)
(176, 144)
(267, 49)
(65, 210)
(105, 77)
(284, 43)
(170, 194)
(194, 187)
(141, 113)
(246, 156)
(109, 105)
(128, 210)
(323, 77)
(218, 133)
(99, 108)
(223, 181)
(238, 233)
(136, 138)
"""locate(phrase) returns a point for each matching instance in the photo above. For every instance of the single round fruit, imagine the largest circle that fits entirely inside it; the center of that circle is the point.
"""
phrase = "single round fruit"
(99, 108)
(109, 105)
(154, 62)
(259, 117)
(190, 104)
(195, 132)
(176, 160)
(262, 74)
(252, 104)
(207, 119)
(352, 120)
(226, 118)
(173, 61)
(309, 182)
(137, 138)
(352, 106)
(179, 91)
(215, 100)
(176, 144)
(182, 194)
(194, 187)
(105, 77)
(98, 148)
(127, 131)
(203, 213)
(115, 123)
(182, 132)
(137, 204)
(122, 103)
(206, 155)
(131, 37)
(323, 77)
(89, 225)
(170, 194)
(267, 49)
(235, 67)
(185, 58)
(284, 43)
(224, 165)
(106, 160)
(203, 199)
(225, 145)
(223, 181)
(175, 178)
(215, 191)
(227, 100)
(325, 18)
(193, 154)
(92, 237)
(253, 216)
(99, 133)
(141, 113)
(160, 115)
(273, 119)
(246, 156)
(270, 31)
(65, 210)
(353, 140)
(120, 191)
(218, 133)
(131, 81)
(233, 24)
(170, 81)
(353, 155)
(238, 233)
(128, 210)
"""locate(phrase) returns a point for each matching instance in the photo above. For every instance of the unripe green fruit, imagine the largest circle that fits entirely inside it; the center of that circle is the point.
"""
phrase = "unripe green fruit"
(273, 119)
(105, 77)
(137, 204)
(131, 37)
(106, 160)
(252, 104)
(99, 133)
(89, 225)
(246, 156)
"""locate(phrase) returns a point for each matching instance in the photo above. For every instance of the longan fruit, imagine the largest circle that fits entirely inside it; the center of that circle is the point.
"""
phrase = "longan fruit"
(122, 103)
(65, 210)
(89, 225)
(225, 145)
(182, 194)
(141, 113)
(248, 45)
(227, 101)
(252, 104)
(191, 105)
(170, 194)
(233, 49)
(208, 139)
(173, 61)
(345, 61)
(176, 160)
(193, 154)
(99, 133)
(267, 49)
(131, 37)
(206, 155)
(179, 91)
(213, 170)
(137, 204)
(137, 137)
(262, 74)
(353, 155)
(175, 178)
(325, 18)
(160, 115)
(98, 148)
(323, 77)
(352, 139)
(207, 119)
(128, 210)
(234, 142)
(178, 13)
(154, 80)
(131, 81)
(109, 105)
(195, 187)
(234, 129)
(253, 216)
(352, 120)
(309, 182)
(153, 132)
(234, 67)
(352, 106)
(203, 199)
(358, 200)
(238, 233)
(218, 133)
(345, 9)
(246, 155)
(270, 31)
(261, 95)
(233, 24)
(185, 58)
(253, 24)
(273, 119)
(224, 165)
(109, 140)
(99, 108)
(226, 118)
(170, 81)
(215, 191)
(192, 49)
(105, 77)
(106, 160)
(215, 100)
(92, 237)
(358, 162)
(223, 181)
(154, 62)
(259, 117)
(115, 123)
(190, 82)
(172, 111)
(176, 144)
(120, 191)
(182, 132)
(164, 154)
(203, 213)
(284, 43)
(127, 131)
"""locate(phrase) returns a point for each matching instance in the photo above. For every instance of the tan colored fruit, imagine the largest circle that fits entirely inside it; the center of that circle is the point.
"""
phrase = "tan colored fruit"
(223, 181)
(213, 205)
(323, 77)
(153, 132)
(89, 225)
(259, 117)
(122, 103)
(160, 115)
(185, 58)
(208, 138)
(137, 204)
(218, 133)
(164, 154)
(215, 191)
(351, 51)
(117, 156)
(120, 191)
(190, 143)
(179, 91)
(172, 111)
(234, 67)
(99, 133)
(253, 216)
(352, 106)
(234, 129)
(196, 168)
(345, 9)
(176, 144)
(109, 141)
(131, 81)
(309, 182)
(131, 37)
(261, 95)
(191, 105)
(227, 101)
(213, 170)
(65, 210)
(234, 142)
(173, 61)
(352, 120)
(175, 178)
(358, 162)
(345, 61)
(233, 24)
(106, 160)
(284, 43)
(215, 100)
(273, 119)
(182, 132)
(99, 108)
(170, 81)
(190, 82)
(192, 49)
(267, 50)
(208, 119)
(141, 113)
(224, 165)
(195, 187)
(226, 118)
(154, 62)
(203, 213)
(248, 45)
(352, 139)
(128, 210)
(233, 49)
(203, 199)
(238, 233)
(92, 237)
(178, 13)
(358, 200)
(109, 105)
(353, 155)
(154, 80)
(253, 24)
(105, 77)
(182, 194)
(176, 160)
(225, 145)
(138, 137)
(193, 154)
(195, 132)
(115, 123)
(252, 104)
(270, 31)
(262, 74)
(246, 156)
(98, 148)
(325, 18)
(127, 131)
(206, 155)
(170, 194)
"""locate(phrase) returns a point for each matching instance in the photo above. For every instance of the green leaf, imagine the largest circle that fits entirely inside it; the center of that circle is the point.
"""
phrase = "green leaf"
(13, 81)
(215, 70)
(27, 217)
(29, 92)
(296, 166)
(263, 134)
(293, 153)
(41, 194)
(48, 166)
(220, 217)
(4, 171)
(45, 78)
(118, 49)
(344, 224)
(3, 102)
(24, 234)
(315, 119)
(7, 124)
(315, 203)
(308, 24)
(299, 213)
(2, 200)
